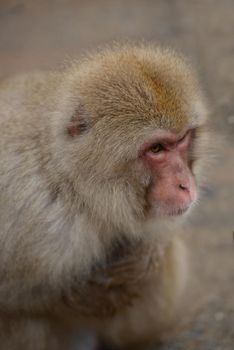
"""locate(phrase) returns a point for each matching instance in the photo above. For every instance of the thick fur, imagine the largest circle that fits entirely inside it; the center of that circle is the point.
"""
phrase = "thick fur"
(77, 247)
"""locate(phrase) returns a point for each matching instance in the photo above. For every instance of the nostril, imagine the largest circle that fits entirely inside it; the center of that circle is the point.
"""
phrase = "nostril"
(183, 187)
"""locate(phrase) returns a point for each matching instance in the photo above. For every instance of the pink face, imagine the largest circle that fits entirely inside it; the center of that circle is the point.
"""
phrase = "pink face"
(167, 155)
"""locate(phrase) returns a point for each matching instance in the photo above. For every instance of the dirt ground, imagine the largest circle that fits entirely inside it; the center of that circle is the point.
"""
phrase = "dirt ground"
(43, 34)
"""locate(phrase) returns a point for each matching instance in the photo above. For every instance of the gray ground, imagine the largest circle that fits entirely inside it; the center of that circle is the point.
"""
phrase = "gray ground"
(42, 34)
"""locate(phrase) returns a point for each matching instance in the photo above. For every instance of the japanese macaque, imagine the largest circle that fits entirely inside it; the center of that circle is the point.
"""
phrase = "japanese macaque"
(93, 160)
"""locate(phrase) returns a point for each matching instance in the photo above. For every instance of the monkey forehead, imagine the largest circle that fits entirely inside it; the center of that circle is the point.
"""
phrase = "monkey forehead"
(139, 85)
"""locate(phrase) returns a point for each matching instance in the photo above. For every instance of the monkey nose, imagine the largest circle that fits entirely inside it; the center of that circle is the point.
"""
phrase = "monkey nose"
(187, 189)
(184, 187)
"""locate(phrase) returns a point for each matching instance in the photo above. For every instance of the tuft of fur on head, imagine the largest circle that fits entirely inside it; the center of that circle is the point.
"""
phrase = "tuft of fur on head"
(108, 104)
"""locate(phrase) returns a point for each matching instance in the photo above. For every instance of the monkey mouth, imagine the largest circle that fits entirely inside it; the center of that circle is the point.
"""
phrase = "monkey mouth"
(169, 212)
(178, 211)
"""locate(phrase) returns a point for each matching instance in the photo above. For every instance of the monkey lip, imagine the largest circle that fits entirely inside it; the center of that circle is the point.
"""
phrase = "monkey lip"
(169, 211)
(178, 211)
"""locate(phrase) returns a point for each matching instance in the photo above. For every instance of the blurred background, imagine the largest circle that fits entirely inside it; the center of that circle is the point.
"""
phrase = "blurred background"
(44, 34)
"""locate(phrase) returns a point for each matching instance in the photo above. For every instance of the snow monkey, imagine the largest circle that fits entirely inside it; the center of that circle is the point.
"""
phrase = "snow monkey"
(93, 160)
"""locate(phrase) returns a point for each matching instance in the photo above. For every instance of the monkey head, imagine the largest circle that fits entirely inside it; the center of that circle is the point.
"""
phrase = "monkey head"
(133, 122)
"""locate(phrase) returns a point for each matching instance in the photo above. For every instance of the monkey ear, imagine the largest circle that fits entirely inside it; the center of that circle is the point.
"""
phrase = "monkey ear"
(78, 123)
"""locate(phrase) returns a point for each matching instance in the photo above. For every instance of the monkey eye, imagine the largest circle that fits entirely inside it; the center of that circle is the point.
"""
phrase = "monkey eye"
(156, 148)
(183, 137)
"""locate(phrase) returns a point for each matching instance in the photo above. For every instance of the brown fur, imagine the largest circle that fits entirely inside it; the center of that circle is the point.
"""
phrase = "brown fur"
(77, 249)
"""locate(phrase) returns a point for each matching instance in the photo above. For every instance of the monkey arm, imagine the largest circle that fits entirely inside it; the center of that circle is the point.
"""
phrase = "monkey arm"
(157, 307)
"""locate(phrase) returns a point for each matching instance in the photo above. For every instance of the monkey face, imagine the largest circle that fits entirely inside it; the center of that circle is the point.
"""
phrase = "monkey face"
(172, 188)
